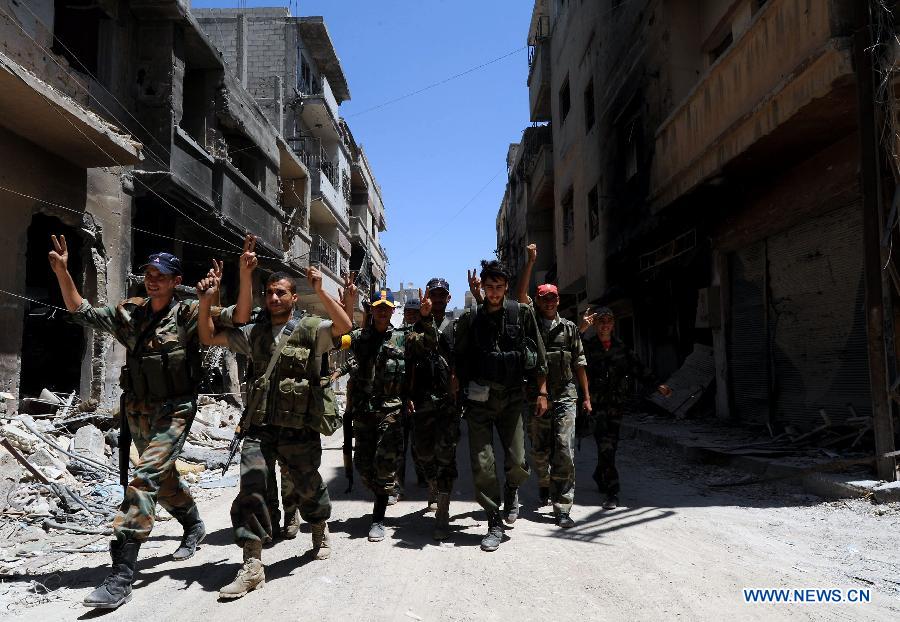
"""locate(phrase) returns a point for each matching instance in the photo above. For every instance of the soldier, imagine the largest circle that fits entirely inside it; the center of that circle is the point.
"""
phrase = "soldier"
(496, 345)
(611, 366)
(379, 391)
(286, 402)
(553, 435)
(411, 316)
(436, 417)
(159, 382)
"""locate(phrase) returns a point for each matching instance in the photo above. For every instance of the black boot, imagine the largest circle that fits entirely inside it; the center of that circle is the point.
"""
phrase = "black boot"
(115, 590)
(494, 537)
(194, 532)
(376, 531)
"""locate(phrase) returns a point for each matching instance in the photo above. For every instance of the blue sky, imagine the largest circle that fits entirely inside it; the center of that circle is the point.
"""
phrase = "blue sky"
(434, 151)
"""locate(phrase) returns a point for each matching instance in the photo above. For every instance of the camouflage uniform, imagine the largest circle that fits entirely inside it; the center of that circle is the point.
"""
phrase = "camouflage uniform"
(160, 420)
(481, 338)
(378, 391)
(610, 373)
(436, 420)
(278, 431)
(553, 434)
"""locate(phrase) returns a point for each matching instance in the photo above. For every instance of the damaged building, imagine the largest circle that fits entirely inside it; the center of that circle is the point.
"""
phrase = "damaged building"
(290, 66)
(715, 177)
(126, 129)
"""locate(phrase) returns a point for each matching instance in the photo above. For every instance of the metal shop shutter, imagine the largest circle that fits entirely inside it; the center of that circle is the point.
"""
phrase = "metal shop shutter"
(747, 360)
(817, 319)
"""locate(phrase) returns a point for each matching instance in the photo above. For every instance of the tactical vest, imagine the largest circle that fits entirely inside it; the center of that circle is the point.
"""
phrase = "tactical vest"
(381, 373)
(502, 358)
(558, 344)
(170, 370)
(294, 396)
(432, 371)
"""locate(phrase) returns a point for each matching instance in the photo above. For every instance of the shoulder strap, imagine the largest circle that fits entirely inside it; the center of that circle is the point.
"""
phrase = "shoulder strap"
(283, 337)
(511, 307)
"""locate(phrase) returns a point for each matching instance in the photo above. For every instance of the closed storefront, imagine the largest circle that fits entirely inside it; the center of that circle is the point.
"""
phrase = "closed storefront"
(796, 336)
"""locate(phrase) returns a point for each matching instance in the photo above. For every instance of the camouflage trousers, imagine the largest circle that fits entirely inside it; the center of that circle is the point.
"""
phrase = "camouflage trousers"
(300, 451)
(409, 447)
(503, 411)
(289, 497)
(158, 432)
(606, 433)
(553, 451)
(379, 441)
(435, 437)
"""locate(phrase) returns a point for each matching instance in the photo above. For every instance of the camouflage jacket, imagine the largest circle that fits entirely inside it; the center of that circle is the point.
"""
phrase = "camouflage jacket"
(381, 366)
(172, 345)
(611, 372)
(431, 353)
(565, 353)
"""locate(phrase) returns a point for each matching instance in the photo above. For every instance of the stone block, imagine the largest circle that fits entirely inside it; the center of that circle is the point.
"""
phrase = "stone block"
(89, 442)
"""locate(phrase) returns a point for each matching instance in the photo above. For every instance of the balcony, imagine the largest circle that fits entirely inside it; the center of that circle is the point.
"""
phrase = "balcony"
(319, 108)
(359, 230)
(786, 85)
(537, 163)
(326, 180)
(323, 252)
(539, 80)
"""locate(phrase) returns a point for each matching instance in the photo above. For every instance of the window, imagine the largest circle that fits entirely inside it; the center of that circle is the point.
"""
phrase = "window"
(568, 215)
(76, 33)
(304, 77)
(593, 200)
(589, 106)
(565, 101)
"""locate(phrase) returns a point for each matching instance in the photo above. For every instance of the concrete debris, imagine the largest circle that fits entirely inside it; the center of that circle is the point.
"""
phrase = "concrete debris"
(50, 513)
(89, 442)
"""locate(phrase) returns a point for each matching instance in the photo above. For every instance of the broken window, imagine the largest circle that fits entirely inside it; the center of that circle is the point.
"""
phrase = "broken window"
(76, 33)
(246, 157)
(565, 101)
(568, 217)
(589, 106)
(593, 213)
(196, 102)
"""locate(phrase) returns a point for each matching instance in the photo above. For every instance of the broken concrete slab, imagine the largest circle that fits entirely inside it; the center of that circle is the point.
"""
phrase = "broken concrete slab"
(19, 437)
(89, 442)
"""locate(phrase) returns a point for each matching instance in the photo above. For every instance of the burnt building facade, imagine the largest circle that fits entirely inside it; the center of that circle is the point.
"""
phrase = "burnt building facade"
(710, 162)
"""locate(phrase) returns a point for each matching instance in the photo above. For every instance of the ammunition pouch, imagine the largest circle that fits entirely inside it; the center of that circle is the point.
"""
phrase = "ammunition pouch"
(506, 368)
(390, 371)
(322, 415)
(159, 375)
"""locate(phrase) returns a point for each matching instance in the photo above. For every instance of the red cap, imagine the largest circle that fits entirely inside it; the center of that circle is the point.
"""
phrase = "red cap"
(546, 289)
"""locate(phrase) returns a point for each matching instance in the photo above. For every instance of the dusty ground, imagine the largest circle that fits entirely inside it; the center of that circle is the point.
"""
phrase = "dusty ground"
(678, 548)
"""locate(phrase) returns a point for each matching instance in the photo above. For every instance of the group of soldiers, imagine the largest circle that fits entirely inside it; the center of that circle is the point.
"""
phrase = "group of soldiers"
(502, 363)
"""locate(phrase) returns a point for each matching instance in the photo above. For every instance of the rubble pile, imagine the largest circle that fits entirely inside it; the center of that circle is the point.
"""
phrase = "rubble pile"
(59, 475)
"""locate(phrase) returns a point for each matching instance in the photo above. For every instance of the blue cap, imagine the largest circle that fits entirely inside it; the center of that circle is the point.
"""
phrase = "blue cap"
(382, 297)
(167, 263)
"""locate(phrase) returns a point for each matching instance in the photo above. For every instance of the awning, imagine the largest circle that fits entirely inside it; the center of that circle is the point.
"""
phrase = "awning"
(50, 119)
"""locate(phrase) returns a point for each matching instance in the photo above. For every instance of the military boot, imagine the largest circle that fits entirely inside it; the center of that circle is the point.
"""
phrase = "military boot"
(611, 502)
(376, 531)
(115, 590)
(251, 576)
(442, 516)
(432, 498)
(291, 526)
(321, 540)
(510, 504)
(564, 520)
(194, 532)
(543, 496)
(491, 542)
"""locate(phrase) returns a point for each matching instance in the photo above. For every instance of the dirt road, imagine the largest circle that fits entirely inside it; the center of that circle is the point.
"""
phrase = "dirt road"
(677, 549)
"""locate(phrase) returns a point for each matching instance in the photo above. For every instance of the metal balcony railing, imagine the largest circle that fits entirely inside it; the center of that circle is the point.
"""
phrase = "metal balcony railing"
(323, 252)
(540, 35)
(310, 150)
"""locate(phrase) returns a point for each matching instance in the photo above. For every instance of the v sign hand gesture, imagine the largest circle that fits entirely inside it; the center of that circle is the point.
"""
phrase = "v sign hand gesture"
(475, 285)
(425, 303)
(59, 256)
(248, 259)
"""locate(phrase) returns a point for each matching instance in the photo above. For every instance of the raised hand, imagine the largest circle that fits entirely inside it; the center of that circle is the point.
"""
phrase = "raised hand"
(59, 256)
(475, 284)
(248, 259)
(208, 287)
(217, 269)
(350, 291)
(532, 253)
(425, 303)
(314, 276)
